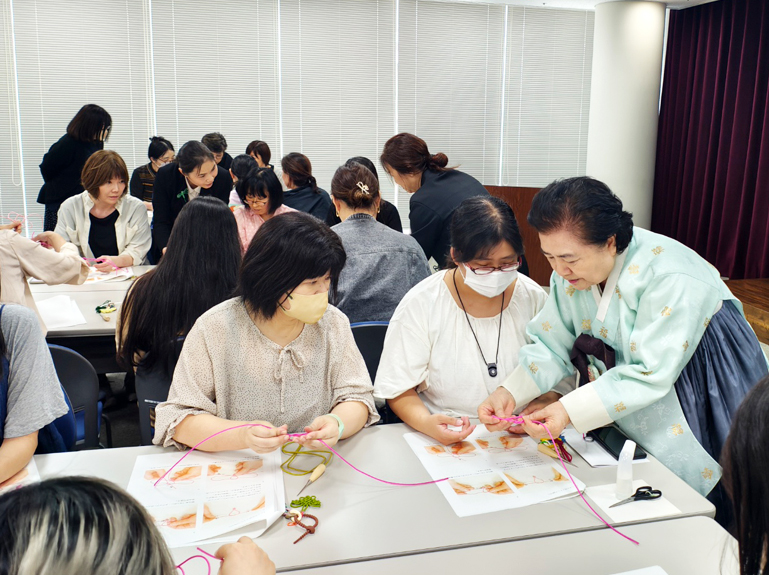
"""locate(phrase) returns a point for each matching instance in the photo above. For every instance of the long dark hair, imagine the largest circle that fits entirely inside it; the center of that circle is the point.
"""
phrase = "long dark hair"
(89, 123)
(199, 271)
(746, 468)
(585, 205)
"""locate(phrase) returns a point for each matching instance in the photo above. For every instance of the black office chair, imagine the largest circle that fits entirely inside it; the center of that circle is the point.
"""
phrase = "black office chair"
(152, 387)
(369, 337)
(79, 380)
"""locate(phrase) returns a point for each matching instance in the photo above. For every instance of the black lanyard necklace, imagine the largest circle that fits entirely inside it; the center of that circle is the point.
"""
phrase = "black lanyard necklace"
(492, 367)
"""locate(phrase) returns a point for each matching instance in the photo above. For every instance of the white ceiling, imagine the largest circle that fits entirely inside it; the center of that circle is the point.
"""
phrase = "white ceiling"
(587, 4)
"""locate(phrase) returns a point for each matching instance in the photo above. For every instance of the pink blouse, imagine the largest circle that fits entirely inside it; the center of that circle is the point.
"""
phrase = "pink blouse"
(249, 223)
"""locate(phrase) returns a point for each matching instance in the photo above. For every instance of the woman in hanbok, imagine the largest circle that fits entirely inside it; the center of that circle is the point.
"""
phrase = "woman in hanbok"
(661, 346)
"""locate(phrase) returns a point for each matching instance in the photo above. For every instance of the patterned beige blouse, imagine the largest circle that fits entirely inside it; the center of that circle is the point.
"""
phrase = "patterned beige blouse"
(229, 369)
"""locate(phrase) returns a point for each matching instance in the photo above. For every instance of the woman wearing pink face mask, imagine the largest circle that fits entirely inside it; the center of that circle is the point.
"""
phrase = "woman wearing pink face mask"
(276, 354)
(455, 336)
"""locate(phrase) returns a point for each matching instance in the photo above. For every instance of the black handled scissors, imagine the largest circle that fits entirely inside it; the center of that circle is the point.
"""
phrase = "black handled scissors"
(645, 493)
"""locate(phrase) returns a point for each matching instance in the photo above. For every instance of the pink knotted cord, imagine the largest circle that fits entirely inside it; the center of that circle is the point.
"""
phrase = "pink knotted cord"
(180, 566)
(517, 420)
(334, 451)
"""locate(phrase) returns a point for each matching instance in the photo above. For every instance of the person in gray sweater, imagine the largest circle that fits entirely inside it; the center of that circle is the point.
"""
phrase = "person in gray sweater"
(382, 264)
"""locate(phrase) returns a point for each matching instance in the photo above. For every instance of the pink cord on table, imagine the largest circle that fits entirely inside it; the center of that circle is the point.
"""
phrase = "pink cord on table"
(517, 420)
(180, 566)
(334, 451)
(102, 260)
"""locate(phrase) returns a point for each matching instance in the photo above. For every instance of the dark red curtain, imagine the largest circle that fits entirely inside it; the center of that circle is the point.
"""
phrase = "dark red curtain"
(711, 187)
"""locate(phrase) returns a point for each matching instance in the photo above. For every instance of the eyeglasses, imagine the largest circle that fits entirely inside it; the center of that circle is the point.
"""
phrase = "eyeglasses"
(486, 270)
(252, 201)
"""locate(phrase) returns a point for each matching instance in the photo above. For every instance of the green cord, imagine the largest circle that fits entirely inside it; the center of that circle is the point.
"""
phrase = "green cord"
(286, 466)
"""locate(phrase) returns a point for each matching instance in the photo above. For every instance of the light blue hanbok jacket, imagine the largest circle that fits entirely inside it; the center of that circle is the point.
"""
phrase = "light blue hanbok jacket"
(657, 303)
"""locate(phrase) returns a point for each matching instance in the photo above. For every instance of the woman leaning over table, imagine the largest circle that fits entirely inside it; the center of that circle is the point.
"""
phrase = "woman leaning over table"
(455, 336)
(277, 354)
(104, 222)
(664, 349)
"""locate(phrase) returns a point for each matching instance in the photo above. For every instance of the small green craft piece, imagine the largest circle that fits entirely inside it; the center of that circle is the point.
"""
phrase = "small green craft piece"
(304, 503)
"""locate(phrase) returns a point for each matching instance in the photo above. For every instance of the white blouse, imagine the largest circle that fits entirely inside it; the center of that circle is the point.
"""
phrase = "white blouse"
(429, 346)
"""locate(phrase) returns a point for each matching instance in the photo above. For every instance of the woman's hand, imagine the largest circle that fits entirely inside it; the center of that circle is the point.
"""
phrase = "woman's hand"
(51, 238)
(324, 427)
(244, 558)
(554, 416)
(436, 425)
(499, 405)
(535, 405)
(263, 440)
(15, 225)
(104, 264)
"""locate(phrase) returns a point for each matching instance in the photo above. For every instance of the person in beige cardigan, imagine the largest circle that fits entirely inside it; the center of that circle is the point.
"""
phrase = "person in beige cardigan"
(22, 258)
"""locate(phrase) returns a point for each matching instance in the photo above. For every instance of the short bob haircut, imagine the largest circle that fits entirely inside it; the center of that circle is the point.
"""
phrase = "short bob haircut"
(261, 149)
(585, 207)
(100, 168)
(241, 165)
(261, 183)
(746, 465)
(215, 142)
(158, 146)
(75, 525)
(287, 250)
(479, 225)
(355, 185)
(89, 124)
(192, 155)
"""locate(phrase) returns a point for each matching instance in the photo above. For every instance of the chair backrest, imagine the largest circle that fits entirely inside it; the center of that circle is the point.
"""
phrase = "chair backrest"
(369, 337)
(66, 426)
(152, 387)
(79, 380)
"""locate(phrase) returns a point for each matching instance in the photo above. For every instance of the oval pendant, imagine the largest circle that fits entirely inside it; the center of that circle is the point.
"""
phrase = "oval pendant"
(492, 369)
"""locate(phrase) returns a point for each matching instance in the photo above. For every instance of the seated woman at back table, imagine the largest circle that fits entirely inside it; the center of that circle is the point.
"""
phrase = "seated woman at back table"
(160, 153)
(262, 196)
(456, 335)
(382, 264)
(164, 303)
(386, 213)
(260, 151)
(104, 222)
(276, 354)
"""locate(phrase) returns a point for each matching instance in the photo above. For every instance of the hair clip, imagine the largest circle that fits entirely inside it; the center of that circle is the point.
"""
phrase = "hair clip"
(363, 187)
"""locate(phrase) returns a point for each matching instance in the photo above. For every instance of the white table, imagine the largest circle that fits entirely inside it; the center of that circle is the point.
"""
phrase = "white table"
(680, 546)
(362, 519)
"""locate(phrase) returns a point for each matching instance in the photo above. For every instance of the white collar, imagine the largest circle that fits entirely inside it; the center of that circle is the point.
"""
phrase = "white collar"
(604, 299)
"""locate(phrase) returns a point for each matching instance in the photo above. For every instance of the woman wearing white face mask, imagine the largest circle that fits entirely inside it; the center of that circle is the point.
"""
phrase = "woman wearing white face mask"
(456, 335)
(160, 153)
(277, 354)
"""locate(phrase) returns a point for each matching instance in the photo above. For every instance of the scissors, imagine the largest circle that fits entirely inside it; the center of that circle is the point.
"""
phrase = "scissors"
(645, 493)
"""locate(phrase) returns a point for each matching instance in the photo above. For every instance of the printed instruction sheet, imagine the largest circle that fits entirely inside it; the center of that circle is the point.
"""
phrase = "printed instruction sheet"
(209, 494)
(492, 471)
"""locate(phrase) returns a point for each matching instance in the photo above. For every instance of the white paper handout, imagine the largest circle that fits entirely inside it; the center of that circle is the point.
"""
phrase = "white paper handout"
(648, 571)
(492, 471)
(24, 477)
(120, 274)
(209, 494)
(60, 311)
(605, 496)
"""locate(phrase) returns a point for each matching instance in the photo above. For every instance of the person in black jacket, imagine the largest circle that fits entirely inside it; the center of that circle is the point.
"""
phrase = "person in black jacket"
(64, 161)
(160, 153)
(387, 213)
(303, 193)
(218, 146)
(193, 174)
(436, 191)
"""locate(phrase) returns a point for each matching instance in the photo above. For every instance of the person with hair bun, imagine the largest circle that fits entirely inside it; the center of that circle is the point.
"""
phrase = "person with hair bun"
(194, 173)
(661, 346)
(386, 213)
(382, 264)
(436, 191)
(160, 153)
(456, 335)
(302, 191)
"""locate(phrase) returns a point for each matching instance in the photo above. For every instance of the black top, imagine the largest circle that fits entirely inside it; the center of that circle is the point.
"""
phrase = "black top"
(226, 162)
(432, 206)
(142, 182)
(305, 200)
(61, 169)
(168, 198)
(388, 215)
(102, 238)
